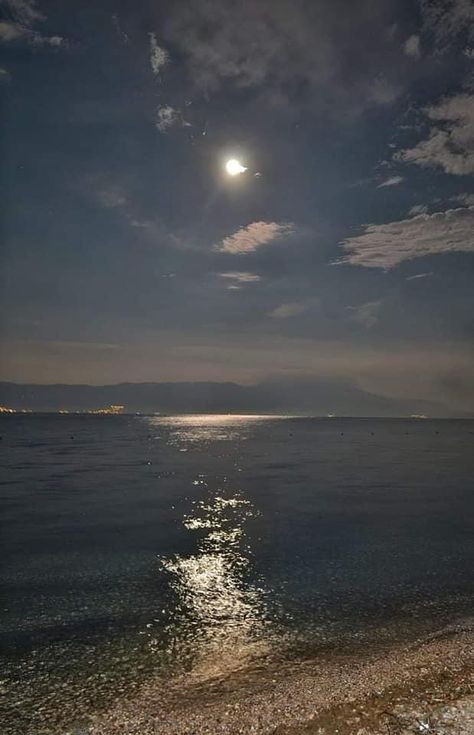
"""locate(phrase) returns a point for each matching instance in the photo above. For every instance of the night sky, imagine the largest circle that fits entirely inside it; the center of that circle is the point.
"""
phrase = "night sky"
(343, 252)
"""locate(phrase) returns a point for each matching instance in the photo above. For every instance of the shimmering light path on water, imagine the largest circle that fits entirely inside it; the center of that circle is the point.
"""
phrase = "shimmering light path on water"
(202, 545)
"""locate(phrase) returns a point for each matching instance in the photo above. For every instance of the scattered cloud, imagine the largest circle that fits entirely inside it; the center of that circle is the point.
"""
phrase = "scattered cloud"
(466, 199)
(382, 91)
(250, 238)
(10, 31)
(111, 198)
(118, 28)
(392, 181)
(106, 191)
(418, 209)
(56, 41)
(22, 17)
(168, 117)
(51, 40)
(388, 245)
(24, 11)
(153, 230)
(279, 45)
(419, 275)
(285, 311)
(445, 22)
(450, 144)
(159, 56)
(5, 76)
(367, 315)
(412, 46)
(119, 197)
(236, 279)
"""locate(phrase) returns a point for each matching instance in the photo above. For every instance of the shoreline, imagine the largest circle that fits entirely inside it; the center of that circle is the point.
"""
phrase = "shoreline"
(423, 686)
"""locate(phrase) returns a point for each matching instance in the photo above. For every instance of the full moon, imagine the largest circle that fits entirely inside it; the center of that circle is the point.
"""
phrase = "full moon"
(234, 167)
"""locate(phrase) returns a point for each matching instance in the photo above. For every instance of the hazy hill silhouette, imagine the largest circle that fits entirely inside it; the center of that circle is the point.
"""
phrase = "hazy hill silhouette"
(309, 397)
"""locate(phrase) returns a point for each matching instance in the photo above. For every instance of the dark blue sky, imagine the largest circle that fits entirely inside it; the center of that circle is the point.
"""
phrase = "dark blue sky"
(345, 250)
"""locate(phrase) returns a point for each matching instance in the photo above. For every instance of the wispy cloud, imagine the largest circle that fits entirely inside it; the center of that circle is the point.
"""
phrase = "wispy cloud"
(241, 276)
(388, 245)
(279, 45)
(285, 311)
(5, 76)
(22, 17)
(24, 11)
(118, 28)
(106, 191)
(119, 197)
(383, 92)
(392, 181)
(450, 143)
(412, 46)
(168, 117)
(367, 315)
(111, 198)
(418, 209)
(419, 275)
(446, 22)
(250, 238)
(153, 230)
(159, 56)
(10, 31)
(467, 199)
(236, 279)
(15, 32)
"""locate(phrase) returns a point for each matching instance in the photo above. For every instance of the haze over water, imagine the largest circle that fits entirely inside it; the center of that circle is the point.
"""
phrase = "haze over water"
(203, 545)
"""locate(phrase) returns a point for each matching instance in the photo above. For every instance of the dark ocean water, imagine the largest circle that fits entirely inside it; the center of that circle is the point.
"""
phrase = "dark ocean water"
(142, 546)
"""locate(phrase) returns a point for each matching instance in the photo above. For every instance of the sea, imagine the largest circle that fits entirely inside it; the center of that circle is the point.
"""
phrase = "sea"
(196, 547)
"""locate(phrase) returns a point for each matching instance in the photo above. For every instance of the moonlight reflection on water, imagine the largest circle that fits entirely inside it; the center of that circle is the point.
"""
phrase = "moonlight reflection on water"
(219, 618)
(199, 428)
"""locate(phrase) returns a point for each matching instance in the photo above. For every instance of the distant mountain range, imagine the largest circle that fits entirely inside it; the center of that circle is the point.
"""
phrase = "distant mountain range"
(311, 398)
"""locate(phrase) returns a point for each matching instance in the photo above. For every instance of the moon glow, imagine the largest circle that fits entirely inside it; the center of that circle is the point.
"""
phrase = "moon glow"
(234, 167)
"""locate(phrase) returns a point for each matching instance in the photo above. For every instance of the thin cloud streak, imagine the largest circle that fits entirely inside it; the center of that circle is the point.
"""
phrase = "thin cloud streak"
(286, 311)
(392, 181)
(387, 245)
(420, 275)
(250, 238)
(240, 277)
(418, 209)
(366, 315)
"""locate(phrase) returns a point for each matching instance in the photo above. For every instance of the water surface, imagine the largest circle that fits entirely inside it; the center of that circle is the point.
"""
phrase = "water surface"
(200, 545)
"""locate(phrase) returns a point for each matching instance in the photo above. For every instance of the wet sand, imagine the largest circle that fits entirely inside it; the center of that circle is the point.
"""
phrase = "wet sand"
(423, 686)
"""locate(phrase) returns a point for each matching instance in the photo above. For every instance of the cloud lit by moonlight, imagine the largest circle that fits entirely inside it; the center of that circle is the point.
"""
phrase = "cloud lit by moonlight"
(234, 167)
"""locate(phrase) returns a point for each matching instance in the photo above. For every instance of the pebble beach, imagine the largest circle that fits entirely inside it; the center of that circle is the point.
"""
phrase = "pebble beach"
(425, 686)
